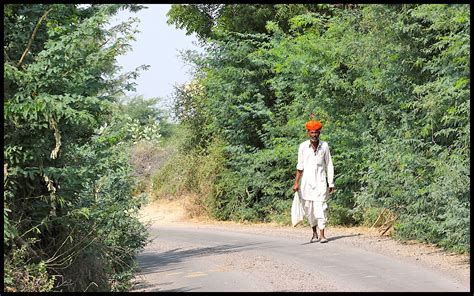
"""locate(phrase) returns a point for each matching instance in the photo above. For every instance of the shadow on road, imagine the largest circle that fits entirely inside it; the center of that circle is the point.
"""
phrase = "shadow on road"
(333, 238)
(151, 261)
(143, 287)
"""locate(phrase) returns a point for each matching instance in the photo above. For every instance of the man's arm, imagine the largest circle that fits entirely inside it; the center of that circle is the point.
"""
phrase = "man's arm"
(329, 170)
(297, 180)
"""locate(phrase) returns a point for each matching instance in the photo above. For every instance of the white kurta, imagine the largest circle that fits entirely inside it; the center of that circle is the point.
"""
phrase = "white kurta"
(318, 171)
(318, 176)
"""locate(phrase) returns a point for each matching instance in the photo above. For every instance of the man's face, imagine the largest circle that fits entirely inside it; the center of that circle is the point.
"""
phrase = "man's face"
(314, 135)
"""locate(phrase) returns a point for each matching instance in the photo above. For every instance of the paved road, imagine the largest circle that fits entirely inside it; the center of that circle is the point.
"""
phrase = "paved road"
(207, 259)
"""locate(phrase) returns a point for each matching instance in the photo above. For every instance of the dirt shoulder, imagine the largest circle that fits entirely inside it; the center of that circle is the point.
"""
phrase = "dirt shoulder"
(457, 266)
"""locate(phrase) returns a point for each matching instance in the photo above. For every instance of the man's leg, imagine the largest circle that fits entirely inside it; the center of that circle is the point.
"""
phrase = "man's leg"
(322, 226)
(315, 235)
(315, 232)
(309, 212)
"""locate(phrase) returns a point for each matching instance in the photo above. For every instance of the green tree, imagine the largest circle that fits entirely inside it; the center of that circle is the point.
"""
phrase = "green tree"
(68, 203)
(205, 20)
(147, 112)
(391, 84)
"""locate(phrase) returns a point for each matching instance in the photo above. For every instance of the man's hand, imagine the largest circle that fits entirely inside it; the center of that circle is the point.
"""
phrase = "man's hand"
(331, 189)
(295, 187)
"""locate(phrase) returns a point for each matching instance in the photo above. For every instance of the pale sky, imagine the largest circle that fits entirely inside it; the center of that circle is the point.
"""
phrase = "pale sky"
(158, 45)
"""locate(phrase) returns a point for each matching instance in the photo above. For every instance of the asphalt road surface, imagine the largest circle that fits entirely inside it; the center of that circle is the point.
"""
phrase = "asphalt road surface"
(193, 258)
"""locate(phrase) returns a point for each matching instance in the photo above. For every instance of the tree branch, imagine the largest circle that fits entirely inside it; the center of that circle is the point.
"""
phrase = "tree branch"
(7, 58)
(33, 35)
(378, 218)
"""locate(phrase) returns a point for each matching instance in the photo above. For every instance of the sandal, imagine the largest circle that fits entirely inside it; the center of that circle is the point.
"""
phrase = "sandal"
(324, 240)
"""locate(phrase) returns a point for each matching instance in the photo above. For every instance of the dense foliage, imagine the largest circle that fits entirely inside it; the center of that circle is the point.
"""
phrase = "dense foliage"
(70, 215)
(390, 83)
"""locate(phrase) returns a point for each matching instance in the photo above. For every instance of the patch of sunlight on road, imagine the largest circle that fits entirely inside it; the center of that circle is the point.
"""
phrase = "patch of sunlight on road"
(174, 273)
(221, 269)
(196, 274)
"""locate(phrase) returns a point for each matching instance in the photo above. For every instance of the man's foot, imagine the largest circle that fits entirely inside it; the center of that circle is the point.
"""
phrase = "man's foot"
(314, 238)
(323, 240)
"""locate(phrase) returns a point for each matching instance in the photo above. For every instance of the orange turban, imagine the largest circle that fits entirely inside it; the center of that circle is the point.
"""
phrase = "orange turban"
(313, 125)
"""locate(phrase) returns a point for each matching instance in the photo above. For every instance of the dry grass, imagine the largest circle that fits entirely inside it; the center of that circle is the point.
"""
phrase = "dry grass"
(147, 158)
(164, 211)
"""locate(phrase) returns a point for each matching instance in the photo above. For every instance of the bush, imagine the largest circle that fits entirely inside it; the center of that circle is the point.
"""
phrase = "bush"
(21, 275)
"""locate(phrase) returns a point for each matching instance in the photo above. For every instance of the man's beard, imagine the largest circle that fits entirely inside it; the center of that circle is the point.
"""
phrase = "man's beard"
(314, 139)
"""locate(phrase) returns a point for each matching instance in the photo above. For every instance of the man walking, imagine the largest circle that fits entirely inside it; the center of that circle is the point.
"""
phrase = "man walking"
(316, 171)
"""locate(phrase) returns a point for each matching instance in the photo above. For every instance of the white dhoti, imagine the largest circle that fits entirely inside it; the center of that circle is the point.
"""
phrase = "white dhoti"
(318, 176)
(316, 211)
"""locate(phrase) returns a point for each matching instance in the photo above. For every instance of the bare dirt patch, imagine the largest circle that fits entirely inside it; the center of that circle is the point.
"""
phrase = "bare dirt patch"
(164, 212)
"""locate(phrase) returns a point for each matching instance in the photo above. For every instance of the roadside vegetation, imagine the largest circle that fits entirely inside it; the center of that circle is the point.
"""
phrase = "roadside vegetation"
(71, 193)
(391, 84)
